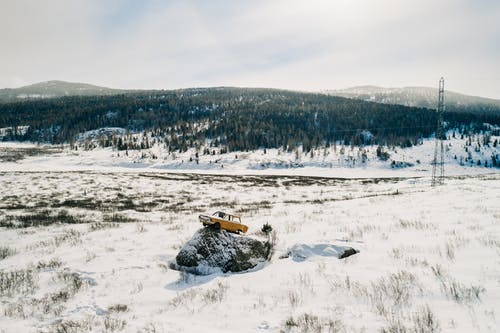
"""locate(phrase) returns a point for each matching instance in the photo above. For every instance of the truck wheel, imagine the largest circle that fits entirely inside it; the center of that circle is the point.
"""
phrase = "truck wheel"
(217, 226)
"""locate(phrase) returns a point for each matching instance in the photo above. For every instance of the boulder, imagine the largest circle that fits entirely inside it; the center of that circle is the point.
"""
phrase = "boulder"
(211, 250)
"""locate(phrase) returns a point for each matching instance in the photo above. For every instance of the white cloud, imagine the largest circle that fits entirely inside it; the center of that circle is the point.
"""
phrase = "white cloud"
(317, 44)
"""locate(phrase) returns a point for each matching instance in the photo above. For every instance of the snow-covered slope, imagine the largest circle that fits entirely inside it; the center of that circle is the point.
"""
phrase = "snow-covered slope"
(467, 155)
(417, 96)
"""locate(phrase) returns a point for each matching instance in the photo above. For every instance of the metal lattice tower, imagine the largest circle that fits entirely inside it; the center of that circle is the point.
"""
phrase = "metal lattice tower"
(438, 161)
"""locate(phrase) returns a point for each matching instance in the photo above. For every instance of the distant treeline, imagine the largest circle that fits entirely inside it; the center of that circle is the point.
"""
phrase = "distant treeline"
(233, 118)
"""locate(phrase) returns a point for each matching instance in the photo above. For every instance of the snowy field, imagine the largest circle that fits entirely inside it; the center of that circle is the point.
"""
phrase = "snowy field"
(94, 252)
(462, 156)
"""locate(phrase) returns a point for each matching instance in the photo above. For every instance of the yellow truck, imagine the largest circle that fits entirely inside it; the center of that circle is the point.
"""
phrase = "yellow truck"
(221, 220)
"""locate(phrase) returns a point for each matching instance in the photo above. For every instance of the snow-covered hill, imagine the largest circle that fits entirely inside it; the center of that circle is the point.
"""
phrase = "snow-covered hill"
(50, 89)
(417, 96)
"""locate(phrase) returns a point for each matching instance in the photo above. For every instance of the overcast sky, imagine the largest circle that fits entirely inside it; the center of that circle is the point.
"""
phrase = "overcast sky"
(293, 44)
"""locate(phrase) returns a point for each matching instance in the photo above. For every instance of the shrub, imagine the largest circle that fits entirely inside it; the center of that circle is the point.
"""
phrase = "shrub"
(217, 294)
(382, 154)
(266, 228)
(461, 293)
(67, 236)
(118, 308)
(102, 225)
(117, 218)
(393, 292)
(312, 323)
(72, 280)
(22, 281)
(52, 264)
(73, 326)
(112, 324)
(39, 218)
(424, 320)
(6, 252)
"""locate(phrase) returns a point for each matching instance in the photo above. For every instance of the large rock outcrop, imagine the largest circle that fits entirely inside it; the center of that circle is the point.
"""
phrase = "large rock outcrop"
(211, 250)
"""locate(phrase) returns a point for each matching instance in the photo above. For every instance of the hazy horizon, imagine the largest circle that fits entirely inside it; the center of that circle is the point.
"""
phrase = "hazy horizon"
(318, 45)
(243, 87)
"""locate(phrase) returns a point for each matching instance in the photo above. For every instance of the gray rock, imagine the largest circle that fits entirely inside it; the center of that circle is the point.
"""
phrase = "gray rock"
(211, 250)
(348, 252)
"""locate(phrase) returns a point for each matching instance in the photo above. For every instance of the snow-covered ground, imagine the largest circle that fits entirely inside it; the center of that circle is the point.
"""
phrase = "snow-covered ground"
(334, 161)
(428, 260)
(429, 257)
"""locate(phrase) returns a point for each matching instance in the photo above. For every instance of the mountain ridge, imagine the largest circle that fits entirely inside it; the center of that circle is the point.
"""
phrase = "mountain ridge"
(417, 96)
(54, 89)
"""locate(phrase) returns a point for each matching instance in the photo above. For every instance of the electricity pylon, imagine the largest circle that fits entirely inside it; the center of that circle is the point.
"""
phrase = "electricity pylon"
(438, 162)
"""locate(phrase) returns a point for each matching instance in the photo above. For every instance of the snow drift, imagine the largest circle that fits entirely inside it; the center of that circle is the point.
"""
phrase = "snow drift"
(301, 252)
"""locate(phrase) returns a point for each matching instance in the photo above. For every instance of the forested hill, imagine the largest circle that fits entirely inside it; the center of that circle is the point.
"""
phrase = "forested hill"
(420, 97)
(234, 118)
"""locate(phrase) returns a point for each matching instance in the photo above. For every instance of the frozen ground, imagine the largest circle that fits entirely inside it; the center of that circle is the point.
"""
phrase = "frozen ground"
(429, 258)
